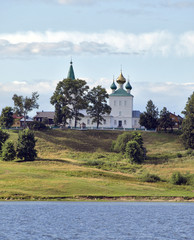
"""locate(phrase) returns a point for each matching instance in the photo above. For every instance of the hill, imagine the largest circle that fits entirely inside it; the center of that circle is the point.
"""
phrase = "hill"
(79, 165)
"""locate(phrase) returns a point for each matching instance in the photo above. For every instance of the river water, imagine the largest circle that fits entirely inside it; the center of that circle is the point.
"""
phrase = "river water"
(96, 221)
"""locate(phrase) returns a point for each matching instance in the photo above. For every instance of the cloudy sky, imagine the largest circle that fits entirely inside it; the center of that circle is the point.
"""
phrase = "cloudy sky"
(151, 40)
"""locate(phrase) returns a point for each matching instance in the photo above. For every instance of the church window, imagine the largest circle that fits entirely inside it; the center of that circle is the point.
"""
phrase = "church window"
(125, 122)
(115, 102)
(125, 103)
(120, 103)
(115, 122)
(120, 113)
(88, 121)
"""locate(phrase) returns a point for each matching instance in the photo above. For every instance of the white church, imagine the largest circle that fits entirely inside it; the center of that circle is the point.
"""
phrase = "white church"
(122, 115)
(121, 102)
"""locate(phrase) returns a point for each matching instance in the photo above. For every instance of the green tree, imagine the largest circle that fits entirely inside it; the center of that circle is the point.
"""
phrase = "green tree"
(69, 98)
(120, 144)
(6, 118)
(134, 152)
(149, 119)
(165, 121)
(26, 145)
(98, 107)
(8, 151)
(188, 124)
(3, 137)
(25, 105)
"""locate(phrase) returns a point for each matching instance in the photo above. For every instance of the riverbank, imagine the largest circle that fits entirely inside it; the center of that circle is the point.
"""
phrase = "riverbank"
(79, 166)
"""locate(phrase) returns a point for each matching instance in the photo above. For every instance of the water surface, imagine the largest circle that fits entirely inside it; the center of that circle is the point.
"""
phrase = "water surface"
(96, 221)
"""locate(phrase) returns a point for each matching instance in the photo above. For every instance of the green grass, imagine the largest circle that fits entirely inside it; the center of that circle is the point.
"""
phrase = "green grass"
(79, 165)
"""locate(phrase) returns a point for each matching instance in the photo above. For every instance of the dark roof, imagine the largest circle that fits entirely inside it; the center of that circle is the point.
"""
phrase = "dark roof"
(49, 115)
(136, 114)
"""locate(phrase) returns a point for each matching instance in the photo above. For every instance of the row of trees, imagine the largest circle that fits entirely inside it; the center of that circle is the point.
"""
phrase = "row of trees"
(151, 119)
(68, 99)
(72, 96)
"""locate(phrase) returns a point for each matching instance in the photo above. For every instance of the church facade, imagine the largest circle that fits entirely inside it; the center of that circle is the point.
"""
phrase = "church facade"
(121, 102)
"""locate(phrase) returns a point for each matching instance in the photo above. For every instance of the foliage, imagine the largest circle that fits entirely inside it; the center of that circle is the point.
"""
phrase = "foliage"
(26, 145)
(6, 118)
(69, 98)
(98, 106)
(178, 179)
(3, 137)
(120, 144)
(8, 151)
(188, 124)
(165, 121)
(134, 152)
(35, 125)
(150, 178)
(25, 105)
(149, 119)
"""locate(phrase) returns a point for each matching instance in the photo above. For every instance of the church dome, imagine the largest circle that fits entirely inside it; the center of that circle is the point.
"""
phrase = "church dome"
(121, 79)
(113, 86)
(128, 86)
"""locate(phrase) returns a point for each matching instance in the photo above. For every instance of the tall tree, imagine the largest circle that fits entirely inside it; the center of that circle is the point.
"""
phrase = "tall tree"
(165, 121)
(6, 118)
(26, 145)
(98, 107)
(69, 98)
(188, 124)
(25, 105)
(3, 137)
(149, 119)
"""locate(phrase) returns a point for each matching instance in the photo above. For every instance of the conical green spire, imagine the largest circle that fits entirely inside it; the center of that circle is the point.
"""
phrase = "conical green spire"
(71, 74)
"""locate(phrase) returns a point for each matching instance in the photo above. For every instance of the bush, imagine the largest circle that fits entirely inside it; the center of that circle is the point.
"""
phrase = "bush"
(35, 125)
(3, 137)
(26, 145)
(179, 155)
(8, 151)
(120, 144)
(134, 152)
(178, 179)
(150, 178)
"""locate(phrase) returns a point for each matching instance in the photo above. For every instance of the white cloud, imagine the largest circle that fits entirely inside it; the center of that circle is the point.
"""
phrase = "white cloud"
(164, 94)
(110, 42)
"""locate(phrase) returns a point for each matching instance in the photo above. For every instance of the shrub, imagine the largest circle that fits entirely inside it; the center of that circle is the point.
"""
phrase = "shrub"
(8, 151)
(134, 152)
(26, 145)
(35, 125)
(179, 155)
(3, 137)
(120, 144)
(178, 179)
(150, 178)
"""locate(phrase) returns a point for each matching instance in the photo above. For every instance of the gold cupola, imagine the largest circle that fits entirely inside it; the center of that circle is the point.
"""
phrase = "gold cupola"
(121, 79)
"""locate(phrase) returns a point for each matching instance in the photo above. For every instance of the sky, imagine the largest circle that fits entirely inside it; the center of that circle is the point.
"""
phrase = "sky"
(152, 41)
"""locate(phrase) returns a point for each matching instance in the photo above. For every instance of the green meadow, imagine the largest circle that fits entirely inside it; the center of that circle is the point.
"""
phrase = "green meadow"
(79, 165)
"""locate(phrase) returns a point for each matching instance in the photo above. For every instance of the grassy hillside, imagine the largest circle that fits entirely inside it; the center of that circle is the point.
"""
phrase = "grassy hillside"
(79, 165)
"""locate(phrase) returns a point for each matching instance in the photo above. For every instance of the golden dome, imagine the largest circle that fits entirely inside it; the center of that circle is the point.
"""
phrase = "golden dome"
(121, 79)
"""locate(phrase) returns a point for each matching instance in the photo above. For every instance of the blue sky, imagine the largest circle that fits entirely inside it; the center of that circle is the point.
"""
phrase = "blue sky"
(153, 41)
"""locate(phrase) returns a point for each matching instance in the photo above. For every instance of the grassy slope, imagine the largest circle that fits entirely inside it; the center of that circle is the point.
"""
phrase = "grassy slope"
(76, 164)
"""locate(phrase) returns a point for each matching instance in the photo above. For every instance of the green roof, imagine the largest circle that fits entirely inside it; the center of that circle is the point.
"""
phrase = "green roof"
(71, 74)
(128, 86)
(121, 92)
(113, 86)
